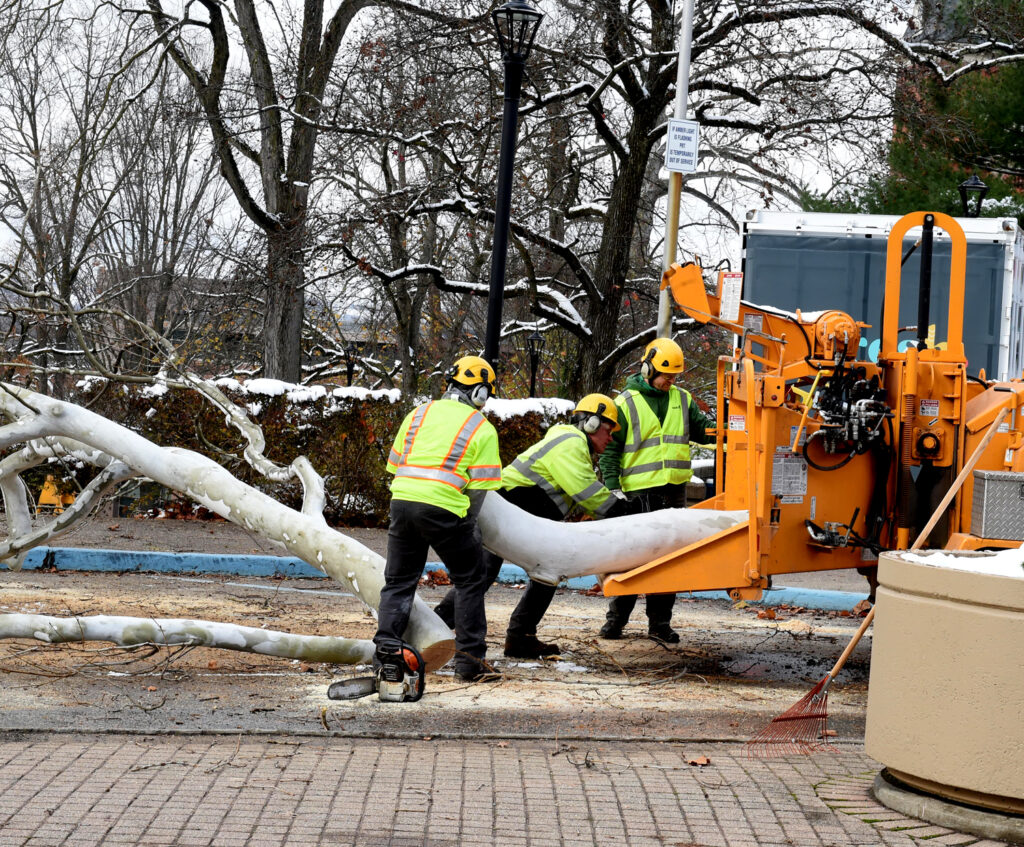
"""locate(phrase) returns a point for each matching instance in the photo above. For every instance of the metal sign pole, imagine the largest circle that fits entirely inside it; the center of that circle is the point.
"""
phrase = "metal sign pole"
(675, 179)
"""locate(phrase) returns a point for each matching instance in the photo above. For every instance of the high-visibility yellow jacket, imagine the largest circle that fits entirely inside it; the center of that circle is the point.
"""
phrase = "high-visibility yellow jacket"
(561, 466)
(655, 453)
(442, 449)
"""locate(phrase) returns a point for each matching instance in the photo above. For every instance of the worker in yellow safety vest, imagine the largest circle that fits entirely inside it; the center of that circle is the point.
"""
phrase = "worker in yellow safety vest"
(648, 462)
(551, 479)
(444, 458)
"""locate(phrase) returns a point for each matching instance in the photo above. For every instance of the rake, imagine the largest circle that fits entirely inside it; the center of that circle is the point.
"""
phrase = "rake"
(803, 727)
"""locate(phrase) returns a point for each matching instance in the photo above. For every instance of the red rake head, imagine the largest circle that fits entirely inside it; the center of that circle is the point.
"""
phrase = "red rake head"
(799, 730)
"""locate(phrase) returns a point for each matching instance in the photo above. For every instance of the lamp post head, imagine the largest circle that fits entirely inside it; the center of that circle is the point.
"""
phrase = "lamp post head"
(977, 189)
(535, 342)
(516, 22)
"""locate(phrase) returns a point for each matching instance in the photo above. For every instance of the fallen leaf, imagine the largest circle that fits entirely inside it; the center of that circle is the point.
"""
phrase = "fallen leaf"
(700, 761)
(151, 688)
(428, 737)
(503, 744)
(742, 604)
(436, 577)
(114, 528)
(767, 613)
(212, 664)
(862, 608)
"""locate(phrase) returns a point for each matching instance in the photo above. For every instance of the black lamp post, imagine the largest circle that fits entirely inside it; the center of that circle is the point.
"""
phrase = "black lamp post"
(977, 189)
(350, 360)
(535, 344)
(517, 23)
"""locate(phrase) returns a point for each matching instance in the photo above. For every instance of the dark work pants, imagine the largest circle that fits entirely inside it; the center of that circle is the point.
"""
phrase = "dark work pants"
(537, 597)
(659, 606)
(414, 528)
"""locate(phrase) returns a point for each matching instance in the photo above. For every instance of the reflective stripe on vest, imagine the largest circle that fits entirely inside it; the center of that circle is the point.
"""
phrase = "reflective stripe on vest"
(652, 457)
(526, 469)
(447, 472)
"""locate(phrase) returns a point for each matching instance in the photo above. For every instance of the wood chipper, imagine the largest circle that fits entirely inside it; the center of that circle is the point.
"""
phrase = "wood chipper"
(837, 459)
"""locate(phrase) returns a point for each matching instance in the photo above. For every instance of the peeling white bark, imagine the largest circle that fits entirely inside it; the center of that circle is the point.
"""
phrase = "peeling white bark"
(306, 536)
(550, 551)
(171, 632)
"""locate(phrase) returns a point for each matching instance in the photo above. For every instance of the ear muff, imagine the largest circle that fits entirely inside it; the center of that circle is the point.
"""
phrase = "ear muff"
(479, 393)
(646, 367)
(591, 424)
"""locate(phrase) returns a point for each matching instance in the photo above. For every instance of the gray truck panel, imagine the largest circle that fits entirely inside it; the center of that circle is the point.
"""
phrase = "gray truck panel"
(812, 273)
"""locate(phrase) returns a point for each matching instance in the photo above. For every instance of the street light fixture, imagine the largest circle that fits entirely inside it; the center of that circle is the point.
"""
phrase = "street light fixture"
(977, 189)
(350, 360)
(535, 344)
(516, 23)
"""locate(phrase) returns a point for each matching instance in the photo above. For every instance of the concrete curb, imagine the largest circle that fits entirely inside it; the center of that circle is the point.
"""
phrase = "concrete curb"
(80, 559)
(945, 813)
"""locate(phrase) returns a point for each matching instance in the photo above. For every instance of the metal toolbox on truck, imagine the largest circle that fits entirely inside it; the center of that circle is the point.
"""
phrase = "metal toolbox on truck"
(997, 510)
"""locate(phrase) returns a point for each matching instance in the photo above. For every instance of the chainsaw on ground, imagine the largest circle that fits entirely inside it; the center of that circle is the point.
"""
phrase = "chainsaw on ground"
(400, 677)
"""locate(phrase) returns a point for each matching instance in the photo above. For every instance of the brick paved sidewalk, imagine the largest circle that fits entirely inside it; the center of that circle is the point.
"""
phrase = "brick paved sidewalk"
(295, 791)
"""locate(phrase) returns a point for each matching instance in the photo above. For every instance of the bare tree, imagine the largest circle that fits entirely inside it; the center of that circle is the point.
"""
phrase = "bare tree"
(67, 96)
(157, 256)
(265, 123)
(787, 94)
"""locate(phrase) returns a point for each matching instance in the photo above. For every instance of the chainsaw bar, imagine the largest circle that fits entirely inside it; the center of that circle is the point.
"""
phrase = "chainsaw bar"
(352, 689)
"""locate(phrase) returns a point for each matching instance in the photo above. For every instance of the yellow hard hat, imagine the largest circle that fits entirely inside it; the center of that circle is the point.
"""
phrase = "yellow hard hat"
(662, 355)
(472, 370)
(594, 409)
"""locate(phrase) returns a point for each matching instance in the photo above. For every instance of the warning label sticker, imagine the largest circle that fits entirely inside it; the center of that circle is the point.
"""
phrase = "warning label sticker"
(732, 287)
(753, 322)
(738, 422)
(789, 475)
(928, 408)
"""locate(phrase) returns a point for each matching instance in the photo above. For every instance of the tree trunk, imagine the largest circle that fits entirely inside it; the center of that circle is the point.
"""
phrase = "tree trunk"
(613, 256)
(282, 320)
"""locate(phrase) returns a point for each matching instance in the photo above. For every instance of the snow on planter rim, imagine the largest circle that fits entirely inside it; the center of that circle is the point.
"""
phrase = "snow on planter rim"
(1002, 563)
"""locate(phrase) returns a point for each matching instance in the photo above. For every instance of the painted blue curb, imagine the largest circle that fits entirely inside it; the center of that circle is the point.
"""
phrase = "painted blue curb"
(808, 598)
(79, 559)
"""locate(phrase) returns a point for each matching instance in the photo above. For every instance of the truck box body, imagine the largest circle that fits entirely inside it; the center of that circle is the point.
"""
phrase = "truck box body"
(815, 260)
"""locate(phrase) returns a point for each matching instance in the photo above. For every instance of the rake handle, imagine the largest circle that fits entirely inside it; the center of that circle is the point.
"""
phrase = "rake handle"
(934, 519)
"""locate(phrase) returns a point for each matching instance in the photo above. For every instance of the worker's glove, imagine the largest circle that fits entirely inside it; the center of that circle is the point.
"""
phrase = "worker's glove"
(617, 492)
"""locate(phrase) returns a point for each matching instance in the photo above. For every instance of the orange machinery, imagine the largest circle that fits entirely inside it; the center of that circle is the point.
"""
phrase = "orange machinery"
(837, 459)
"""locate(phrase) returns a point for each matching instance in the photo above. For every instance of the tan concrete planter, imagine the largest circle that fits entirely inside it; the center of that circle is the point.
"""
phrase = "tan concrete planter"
(946, 699)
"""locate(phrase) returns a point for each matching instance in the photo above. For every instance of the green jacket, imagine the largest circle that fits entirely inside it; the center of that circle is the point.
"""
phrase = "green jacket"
(611, 460)
(561, 465)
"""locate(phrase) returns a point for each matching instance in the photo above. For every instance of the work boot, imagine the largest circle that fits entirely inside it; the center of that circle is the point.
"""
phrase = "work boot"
(445, 610)
(476, 671)
(529, 647)
(663, 634)
(612, 630)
